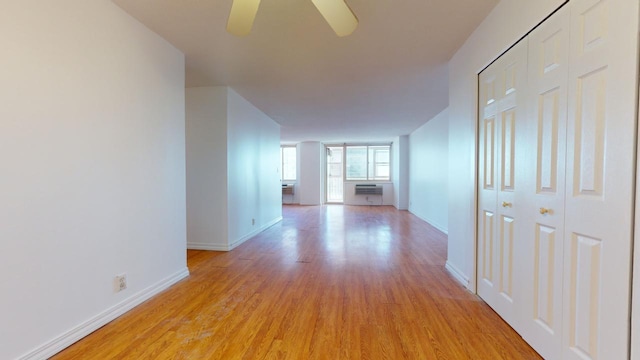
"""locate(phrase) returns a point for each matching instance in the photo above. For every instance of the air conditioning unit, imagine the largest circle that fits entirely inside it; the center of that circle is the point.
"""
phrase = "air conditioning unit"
(368, 189)
(287, 189)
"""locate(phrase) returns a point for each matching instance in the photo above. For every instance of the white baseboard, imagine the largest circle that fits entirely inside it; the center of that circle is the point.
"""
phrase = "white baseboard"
(239, 242)
(440, 228)
(71, 336)
(235, 244)
(457, 274)
(205, 246)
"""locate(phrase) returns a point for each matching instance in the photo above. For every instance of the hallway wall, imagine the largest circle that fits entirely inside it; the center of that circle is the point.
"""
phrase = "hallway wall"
(92, 147)
(428, 172)
(508, 22)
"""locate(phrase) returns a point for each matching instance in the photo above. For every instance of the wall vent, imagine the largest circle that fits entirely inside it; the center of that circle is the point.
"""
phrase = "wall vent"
(368, 189)
(287, 189)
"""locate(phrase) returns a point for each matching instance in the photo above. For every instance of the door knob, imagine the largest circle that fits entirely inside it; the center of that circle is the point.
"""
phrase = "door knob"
(506, 204)
(544, 211)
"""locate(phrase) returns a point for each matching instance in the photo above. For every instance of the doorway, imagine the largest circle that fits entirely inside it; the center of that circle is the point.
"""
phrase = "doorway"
(335, 174)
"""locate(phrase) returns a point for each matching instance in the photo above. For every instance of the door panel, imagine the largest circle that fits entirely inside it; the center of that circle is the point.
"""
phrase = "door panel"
(600, 166)
(542, 228)
(487, 191)
(545, 289)
(489, 153)
(548, 138)
(487, 248)
(588, 134)
(502, 99)
(507, 151)
(556, 186)
(506, 257)
(584, 290)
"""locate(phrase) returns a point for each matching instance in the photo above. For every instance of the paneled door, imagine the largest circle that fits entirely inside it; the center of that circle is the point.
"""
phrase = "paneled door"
(556, 187)
(603, 75)
(541, 230)
(501, 113)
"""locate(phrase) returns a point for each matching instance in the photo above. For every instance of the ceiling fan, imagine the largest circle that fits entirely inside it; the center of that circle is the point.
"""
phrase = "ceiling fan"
(336, 12)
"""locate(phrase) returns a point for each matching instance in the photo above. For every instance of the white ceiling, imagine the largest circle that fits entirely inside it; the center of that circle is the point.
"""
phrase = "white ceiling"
(386, 79)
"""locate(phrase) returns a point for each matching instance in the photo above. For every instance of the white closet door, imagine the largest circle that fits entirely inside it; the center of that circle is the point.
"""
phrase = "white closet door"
(600, 177)
(487, 192)
(501, 112)
(487, 196)
(541, 228)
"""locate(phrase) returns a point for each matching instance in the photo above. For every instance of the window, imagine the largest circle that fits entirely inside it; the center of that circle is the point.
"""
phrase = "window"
(356, 163)
(368, 162)
(288, 160)
(378, 162)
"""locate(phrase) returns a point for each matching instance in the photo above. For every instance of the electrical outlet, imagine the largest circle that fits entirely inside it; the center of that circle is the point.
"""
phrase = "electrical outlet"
(253, 221)
(120, 282)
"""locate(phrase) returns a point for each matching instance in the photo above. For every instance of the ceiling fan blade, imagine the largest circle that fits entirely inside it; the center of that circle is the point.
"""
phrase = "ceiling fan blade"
(338, 14)
(243, 12)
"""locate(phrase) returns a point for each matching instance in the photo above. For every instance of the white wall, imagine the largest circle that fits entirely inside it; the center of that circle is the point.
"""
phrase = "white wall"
(233, 169)
(206, 127)
(93, 171)
(310, 173)
(508, 22)
(253, 154)
(400, 172)
(428, 174)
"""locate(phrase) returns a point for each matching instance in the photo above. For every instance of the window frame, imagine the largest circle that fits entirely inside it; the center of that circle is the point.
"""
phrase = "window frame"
(282, 163)
(369, 177)
(372, 164)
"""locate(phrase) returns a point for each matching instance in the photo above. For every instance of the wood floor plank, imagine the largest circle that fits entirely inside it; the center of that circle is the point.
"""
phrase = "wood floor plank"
(328, 282)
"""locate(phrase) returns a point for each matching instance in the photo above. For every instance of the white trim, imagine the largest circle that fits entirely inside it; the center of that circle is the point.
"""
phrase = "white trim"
(206, 246)
(457, 274)
(85, 328)
(239, 242)
(235, 244)
(635, 260)
(440, 228)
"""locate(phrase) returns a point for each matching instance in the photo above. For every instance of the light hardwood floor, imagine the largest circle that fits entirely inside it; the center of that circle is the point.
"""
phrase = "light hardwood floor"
(329, 282)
